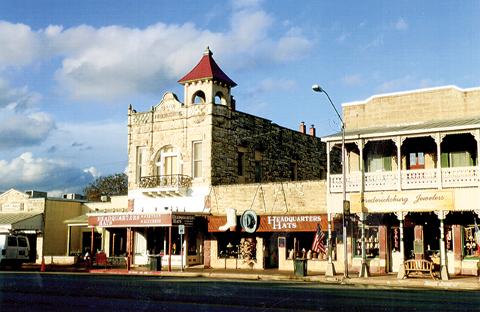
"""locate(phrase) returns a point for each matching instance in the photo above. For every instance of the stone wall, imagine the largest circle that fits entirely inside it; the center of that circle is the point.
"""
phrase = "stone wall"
(276, 146)
(222, 132)
(412, 107)
(295, 197)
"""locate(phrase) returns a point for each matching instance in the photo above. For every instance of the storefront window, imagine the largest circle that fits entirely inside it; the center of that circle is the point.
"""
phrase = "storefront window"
(471, 246)
(371, 241)
(236, 247)
(300, 246)
(228, 245)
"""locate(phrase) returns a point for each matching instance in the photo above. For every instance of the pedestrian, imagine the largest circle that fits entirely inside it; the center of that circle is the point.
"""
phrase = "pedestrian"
(87, 258)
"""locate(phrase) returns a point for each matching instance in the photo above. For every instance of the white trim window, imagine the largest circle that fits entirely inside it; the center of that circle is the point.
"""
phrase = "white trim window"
(168, 161)
(197, 159)
(141, 163)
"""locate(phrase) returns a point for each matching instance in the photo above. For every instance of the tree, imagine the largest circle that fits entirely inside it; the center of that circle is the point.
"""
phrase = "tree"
(115, 184)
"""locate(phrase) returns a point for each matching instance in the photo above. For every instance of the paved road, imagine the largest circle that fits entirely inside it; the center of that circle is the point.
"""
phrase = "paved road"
(83, 292)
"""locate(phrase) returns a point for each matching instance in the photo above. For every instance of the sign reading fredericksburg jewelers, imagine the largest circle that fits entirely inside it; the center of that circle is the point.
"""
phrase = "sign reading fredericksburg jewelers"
(421, 200)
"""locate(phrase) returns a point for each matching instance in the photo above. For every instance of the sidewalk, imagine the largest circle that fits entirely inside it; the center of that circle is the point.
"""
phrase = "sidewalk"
(376, 281)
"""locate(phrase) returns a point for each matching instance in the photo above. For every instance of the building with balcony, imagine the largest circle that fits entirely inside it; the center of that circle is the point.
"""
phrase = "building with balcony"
(412, 179)
(196, 166)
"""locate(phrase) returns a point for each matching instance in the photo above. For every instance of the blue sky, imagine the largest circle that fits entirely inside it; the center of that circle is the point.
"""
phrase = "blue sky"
(69, 69)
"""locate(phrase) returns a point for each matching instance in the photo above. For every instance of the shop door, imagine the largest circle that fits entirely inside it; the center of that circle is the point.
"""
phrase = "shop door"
(271, 251)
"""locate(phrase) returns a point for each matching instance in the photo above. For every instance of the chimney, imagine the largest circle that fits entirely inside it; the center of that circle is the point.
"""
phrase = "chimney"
(303, 128)
(312, 130)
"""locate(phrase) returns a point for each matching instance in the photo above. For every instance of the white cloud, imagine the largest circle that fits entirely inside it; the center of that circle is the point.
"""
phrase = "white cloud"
(107, 63)
(242, 4)
(27, 172)
(353, 80)
(24, 129)
(343, 37)
(291, 46)
(106, 147)
(17, 99)
(20, 45)
(93, 171)
(407, 82)
(268, 85)
(401, 24)
(375, 43)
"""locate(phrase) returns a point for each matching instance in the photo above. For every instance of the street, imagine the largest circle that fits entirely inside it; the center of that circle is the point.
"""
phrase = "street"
(81, 292)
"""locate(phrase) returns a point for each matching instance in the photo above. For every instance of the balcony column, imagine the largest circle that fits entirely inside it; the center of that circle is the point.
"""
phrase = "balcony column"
(443, 256)
(477, 138)
(328, 167)
(401, 270)
(361, 146)
(399, 165)
(438, 141)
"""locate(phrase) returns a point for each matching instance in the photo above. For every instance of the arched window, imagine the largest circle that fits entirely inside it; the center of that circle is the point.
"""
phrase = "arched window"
(168, 161)
(220, 99)
(199, 97)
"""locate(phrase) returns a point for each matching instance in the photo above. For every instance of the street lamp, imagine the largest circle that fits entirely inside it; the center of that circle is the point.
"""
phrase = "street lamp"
(345, 203)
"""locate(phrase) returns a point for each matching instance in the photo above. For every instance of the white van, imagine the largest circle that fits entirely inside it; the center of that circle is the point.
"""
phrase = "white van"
(14, 249)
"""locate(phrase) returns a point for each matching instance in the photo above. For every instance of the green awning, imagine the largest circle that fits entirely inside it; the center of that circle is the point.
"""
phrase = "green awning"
(21, 221)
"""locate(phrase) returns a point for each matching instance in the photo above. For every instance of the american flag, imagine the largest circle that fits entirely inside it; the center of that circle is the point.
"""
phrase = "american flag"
(318, 245)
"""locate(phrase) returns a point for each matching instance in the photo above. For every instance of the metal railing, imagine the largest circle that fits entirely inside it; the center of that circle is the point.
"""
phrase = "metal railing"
(167, 181)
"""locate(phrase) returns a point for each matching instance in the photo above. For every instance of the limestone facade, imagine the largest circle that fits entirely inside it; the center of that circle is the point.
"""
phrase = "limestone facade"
(203, 156)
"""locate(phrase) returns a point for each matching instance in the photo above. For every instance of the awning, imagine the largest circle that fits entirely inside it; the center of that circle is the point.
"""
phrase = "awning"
(77, 221)
(277, 223)
(21, 221)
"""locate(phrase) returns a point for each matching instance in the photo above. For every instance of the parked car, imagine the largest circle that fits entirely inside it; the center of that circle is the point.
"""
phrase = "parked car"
(15, 249)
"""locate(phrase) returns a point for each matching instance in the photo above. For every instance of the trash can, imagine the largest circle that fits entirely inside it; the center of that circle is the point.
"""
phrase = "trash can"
(155, 262)
(300, 267)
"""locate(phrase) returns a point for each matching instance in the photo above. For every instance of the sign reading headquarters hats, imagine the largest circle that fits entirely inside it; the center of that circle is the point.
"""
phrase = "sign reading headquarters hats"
(249, 221)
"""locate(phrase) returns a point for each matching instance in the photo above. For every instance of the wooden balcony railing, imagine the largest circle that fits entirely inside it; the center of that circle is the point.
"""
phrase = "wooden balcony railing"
(409, 179)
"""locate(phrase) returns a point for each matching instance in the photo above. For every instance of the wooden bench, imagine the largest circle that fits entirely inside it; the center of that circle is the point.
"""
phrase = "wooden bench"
(420, 266)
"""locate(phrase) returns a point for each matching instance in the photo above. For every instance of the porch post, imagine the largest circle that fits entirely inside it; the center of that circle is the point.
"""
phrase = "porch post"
(438, 140)
(364, 269)
(69, 230)
(170, 248)
(330, 271)
(362, 167)
(91, 241)
(443, 256)
(399, 165)
(401, 270)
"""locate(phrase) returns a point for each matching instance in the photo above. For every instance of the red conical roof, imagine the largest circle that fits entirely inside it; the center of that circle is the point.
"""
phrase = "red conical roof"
(207, 69)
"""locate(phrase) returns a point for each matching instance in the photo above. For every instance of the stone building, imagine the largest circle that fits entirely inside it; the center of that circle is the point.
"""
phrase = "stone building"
(412, 179)
(194, 164)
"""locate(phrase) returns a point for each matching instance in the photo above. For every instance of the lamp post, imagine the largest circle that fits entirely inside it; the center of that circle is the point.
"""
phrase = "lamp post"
(345, 203)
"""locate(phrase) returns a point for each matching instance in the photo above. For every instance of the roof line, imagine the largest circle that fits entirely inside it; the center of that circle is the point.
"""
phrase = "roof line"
(410, 92)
